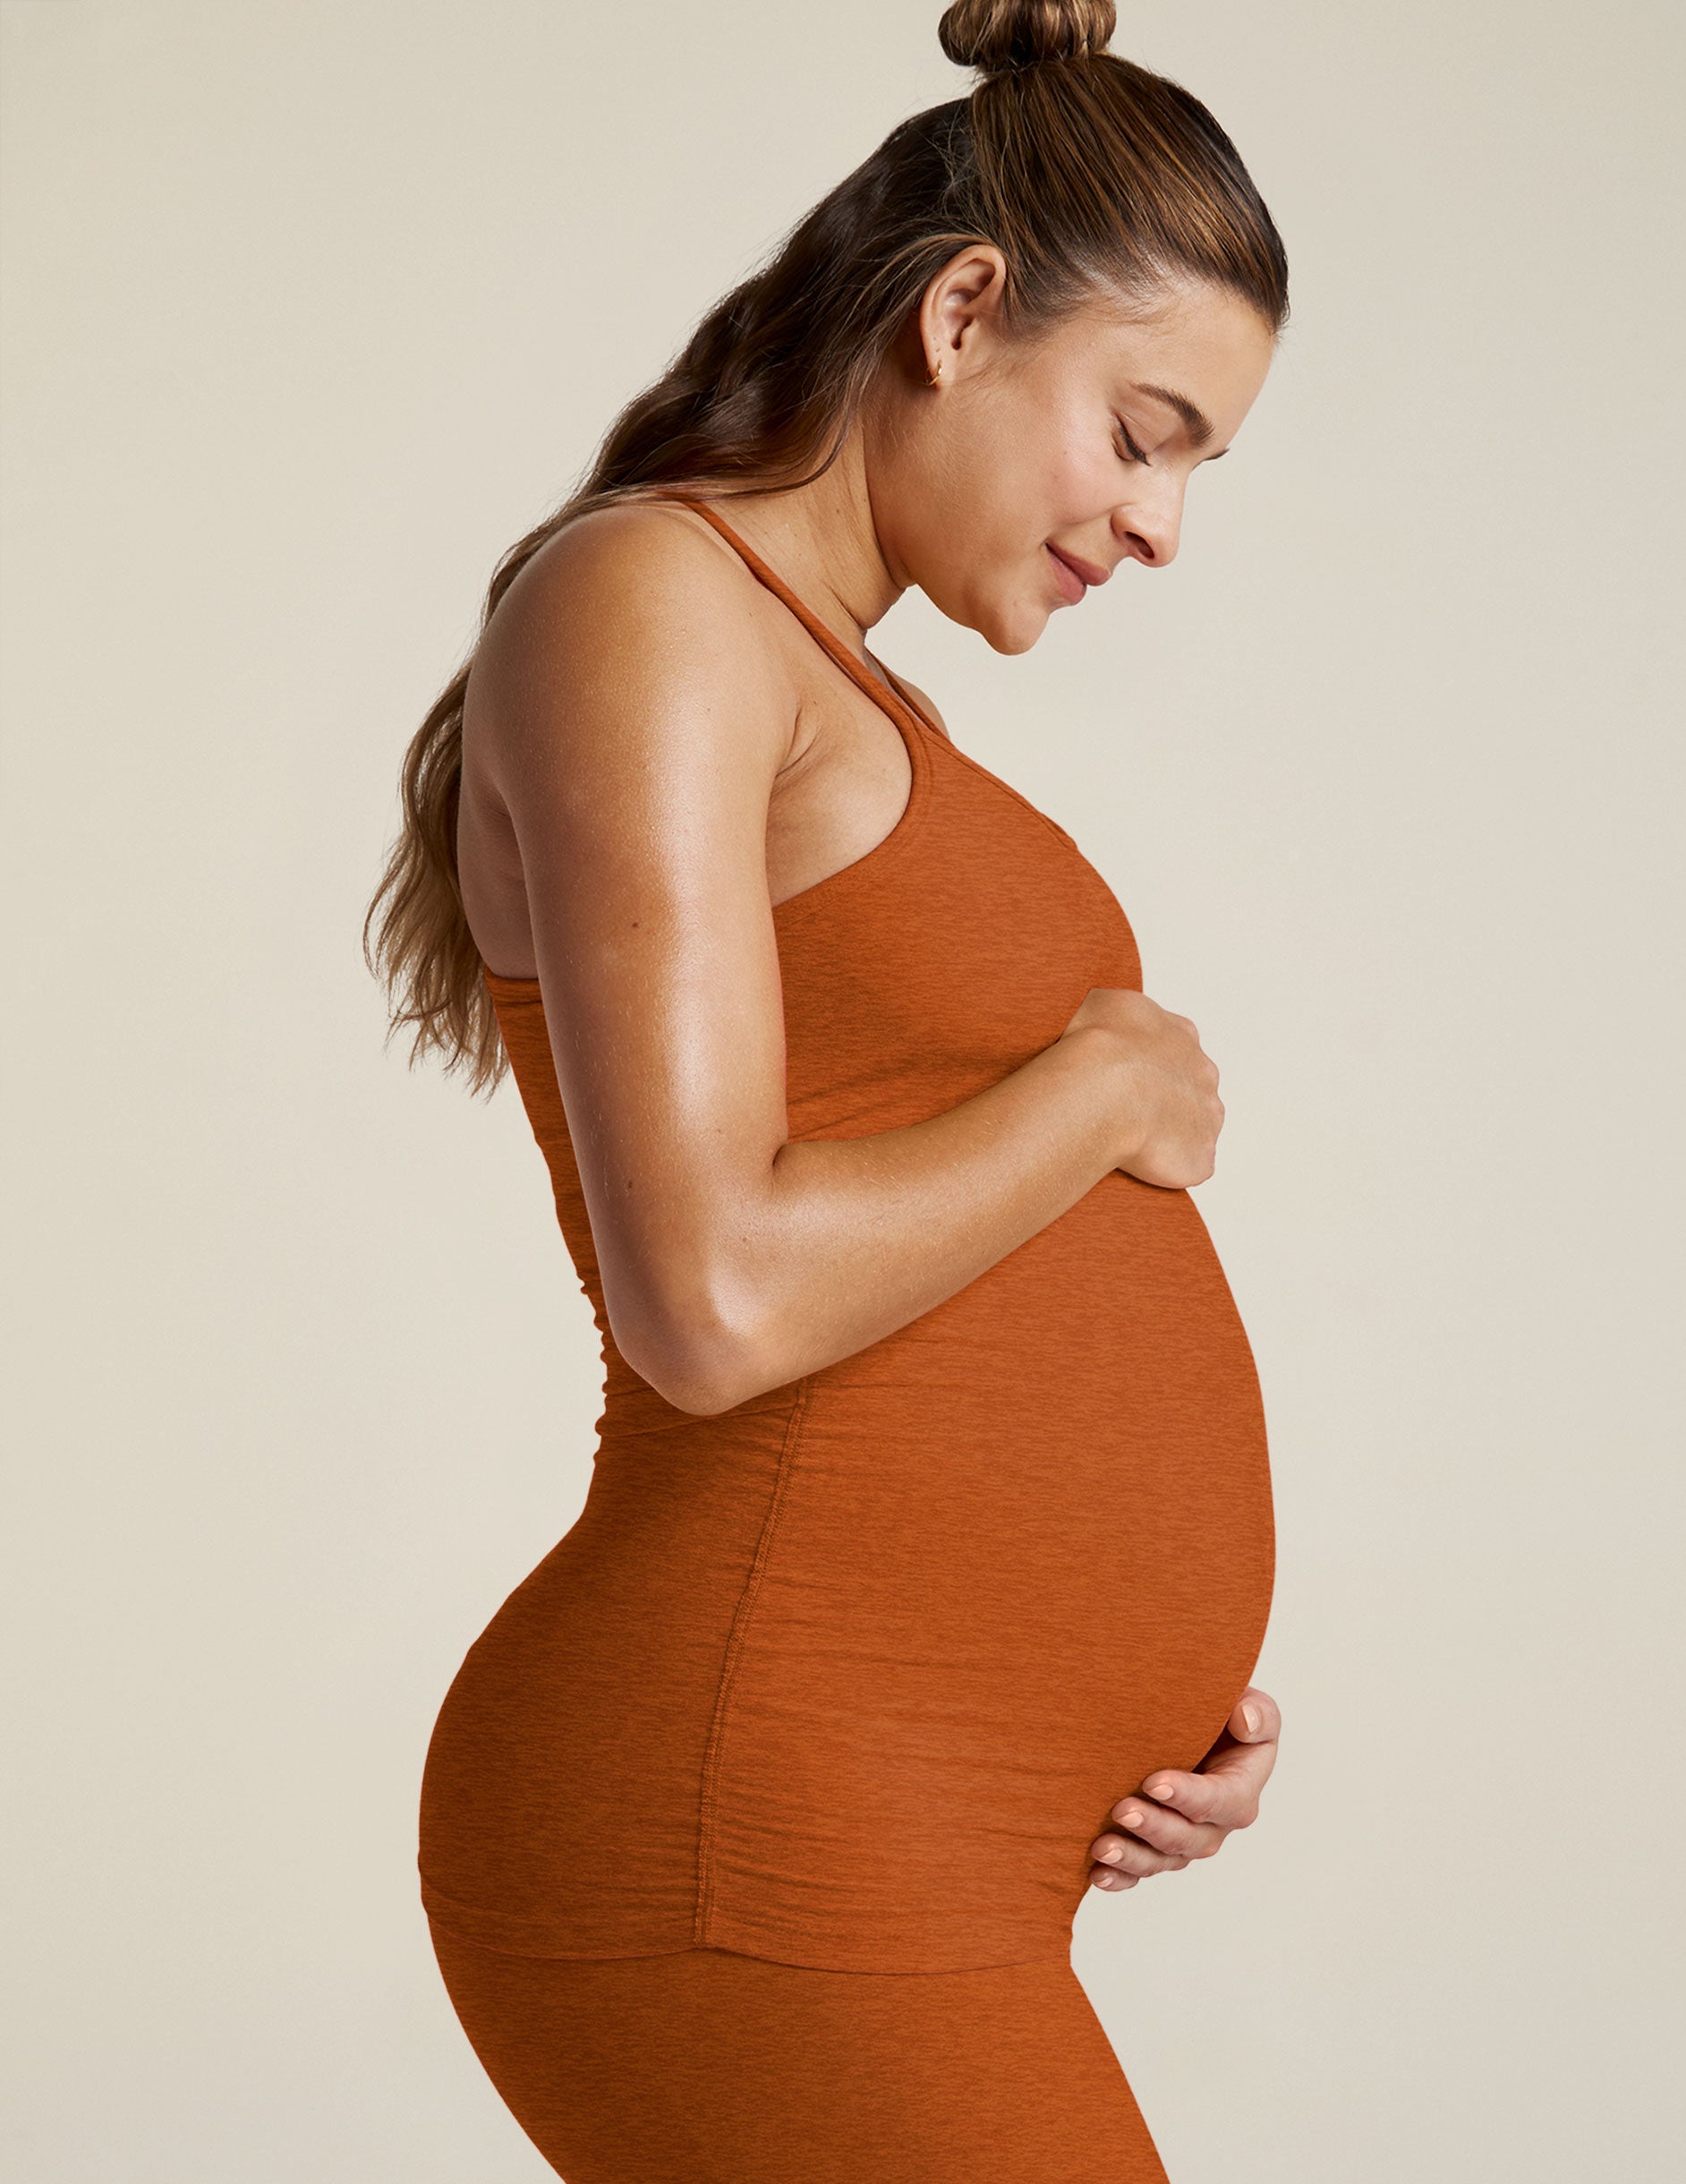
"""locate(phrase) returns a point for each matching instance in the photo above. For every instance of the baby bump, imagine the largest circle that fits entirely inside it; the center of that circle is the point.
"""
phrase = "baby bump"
(1024, 1556)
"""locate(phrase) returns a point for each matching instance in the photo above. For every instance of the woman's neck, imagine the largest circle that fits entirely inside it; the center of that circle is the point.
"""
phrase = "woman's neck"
(821, 539)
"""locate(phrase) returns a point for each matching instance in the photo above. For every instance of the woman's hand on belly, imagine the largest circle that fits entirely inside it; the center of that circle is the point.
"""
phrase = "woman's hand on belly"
(1168, 1113)
(1176, 1817)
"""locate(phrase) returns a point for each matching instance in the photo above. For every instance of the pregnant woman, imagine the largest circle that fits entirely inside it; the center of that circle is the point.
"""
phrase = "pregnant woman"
(929, 1547)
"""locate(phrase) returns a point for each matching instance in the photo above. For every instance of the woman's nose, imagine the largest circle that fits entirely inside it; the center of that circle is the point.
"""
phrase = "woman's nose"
(1150, 528)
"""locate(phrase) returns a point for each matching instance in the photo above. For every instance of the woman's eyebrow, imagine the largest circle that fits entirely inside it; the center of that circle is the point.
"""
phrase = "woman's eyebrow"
(1197, 424)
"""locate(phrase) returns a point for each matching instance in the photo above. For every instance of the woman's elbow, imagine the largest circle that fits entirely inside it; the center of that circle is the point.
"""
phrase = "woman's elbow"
(702, 1359)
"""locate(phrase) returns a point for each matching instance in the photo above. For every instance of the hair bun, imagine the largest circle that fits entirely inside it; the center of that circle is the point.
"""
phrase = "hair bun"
(997, 35)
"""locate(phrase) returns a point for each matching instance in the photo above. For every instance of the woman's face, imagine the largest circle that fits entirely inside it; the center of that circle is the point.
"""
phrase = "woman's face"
(1036, 464)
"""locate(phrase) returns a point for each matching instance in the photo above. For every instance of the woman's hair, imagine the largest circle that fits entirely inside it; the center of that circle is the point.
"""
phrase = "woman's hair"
(1088, 173)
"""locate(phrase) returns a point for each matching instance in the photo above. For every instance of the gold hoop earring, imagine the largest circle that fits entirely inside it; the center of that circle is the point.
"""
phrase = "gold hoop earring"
(932, 377)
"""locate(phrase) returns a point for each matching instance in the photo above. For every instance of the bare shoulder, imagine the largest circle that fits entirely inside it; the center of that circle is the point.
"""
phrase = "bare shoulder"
(637, 612)
(655, 549)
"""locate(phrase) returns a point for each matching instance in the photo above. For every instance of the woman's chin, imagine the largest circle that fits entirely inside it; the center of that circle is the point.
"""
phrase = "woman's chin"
(1018, 630)
(1006, 625)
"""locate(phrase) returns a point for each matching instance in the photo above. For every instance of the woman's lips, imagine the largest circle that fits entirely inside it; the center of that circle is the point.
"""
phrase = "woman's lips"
(1075, 577)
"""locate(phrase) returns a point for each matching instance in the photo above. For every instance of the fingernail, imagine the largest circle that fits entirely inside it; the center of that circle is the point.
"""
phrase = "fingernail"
(1166, 1790)
(1110, 1854)
(1132, 1819)
(1252, 1716)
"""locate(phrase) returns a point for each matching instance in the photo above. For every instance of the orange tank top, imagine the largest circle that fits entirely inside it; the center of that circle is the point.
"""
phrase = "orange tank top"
(848, 1676)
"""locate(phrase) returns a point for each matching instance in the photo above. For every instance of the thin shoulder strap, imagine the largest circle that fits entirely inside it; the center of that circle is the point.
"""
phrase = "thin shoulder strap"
(882, 693)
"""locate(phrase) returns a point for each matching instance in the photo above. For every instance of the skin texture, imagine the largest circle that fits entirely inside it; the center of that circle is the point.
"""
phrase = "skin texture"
(655, 753)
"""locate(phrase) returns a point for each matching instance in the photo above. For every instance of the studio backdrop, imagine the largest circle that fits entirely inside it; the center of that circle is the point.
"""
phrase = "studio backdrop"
(310, 311)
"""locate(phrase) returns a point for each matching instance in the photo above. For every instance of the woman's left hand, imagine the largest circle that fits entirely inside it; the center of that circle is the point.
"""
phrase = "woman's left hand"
(1175, 1817)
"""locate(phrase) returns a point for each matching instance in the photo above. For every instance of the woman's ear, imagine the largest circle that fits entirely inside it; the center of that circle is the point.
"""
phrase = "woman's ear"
(961, 310)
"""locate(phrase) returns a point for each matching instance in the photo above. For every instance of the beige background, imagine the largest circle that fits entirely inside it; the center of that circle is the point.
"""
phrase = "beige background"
(310, 309)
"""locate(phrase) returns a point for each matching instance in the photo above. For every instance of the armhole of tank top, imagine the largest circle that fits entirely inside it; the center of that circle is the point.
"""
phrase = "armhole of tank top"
(880, 686)
(877, 687)
(917, 733)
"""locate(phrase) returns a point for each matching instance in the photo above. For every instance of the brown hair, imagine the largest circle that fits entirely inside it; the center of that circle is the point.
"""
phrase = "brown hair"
(1085, 171)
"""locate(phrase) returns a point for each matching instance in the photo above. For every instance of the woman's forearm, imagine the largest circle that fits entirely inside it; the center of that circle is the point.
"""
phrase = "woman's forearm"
(849, 1239)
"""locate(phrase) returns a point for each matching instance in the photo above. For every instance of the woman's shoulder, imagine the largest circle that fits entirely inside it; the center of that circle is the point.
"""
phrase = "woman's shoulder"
(632, 621)
(646, 558)
(620, 588)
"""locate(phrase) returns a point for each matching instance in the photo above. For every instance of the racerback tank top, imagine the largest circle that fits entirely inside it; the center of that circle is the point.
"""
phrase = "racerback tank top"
(849, 1677)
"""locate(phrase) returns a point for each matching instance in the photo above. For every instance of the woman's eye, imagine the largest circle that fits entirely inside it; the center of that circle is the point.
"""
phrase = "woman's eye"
(1129, 449)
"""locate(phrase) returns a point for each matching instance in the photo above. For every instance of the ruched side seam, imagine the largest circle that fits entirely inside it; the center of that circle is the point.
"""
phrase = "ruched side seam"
(735, 1644)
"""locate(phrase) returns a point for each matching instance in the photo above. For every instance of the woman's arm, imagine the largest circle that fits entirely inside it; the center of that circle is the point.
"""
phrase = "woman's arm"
(628, 708)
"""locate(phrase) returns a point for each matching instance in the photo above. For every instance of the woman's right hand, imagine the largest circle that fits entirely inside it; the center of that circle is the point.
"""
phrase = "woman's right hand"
(1170, 1114)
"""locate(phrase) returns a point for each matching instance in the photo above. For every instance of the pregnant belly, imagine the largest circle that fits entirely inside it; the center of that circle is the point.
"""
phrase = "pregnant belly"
(1023, 1556)
(850, 1677)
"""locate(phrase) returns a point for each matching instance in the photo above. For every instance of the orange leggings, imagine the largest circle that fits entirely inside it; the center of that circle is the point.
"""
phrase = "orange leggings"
(717, 2069)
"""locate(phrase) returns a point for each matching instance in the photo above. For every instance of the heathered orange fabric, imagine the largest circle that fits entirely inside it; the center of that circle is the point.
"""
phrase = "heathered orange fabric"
(709, 2067)
(849, 1677)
